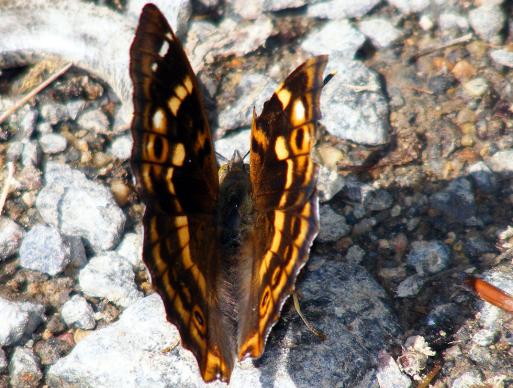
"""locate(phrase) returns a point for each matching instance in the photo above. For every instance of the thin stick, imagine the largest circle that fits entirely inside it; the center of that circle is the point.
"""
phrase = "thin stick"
(310, 327)
(7, 184)
(22, 101)
(462, 39)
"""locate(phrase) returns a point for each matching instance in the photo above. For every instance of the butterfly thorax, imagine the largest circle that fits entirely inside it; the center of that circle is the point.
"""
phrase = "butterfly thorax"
(235, 211)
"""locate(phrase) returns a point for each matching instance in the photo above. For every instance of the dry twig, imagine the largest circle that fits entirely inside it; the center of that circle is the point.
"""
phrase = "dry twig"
(26, 98)
(7, 185)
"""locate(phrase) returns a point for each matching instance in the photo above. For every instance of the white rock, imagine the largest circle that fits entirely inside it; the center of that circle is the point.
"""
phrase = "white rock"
(389, 374)
(335, 37)
(76, 312)
(53, 143)
(502, 57)
(121, 147)
(336, 9)
(109, 276)
(64, 198)
(18, 319)
(44, 249)
(353, 104)
(11, 235)
(487, 21)
(329, 183)
(410, 6)
(131, 249)
(24, 370)
(380, 31)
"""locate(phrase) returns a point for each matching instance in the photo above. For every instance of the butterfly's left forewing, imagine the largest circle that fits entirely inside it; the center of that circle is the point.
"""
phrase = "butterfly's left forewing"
(174, 162)
(283, 184)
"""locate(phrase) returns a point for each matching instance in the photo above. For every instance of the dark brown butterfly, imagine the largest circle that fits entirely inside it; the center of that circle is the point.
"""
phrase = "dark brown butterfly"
(224, 249)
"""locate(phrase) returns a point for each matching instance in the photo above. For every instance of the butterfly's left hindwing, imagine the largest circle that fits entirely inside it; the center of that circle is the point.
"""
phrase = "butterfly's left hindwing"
(174, 162)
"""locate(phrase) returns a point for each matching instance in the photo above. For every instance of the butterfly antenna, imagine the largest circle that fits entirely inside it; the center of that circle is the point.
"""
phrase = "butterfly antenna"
(222, 158)
(309, 326)
(245, 155)
(328, 78)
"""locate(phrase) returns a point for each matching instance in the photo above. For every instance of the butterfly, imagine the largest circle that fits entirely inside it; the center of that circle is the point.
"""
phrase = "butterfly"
(223, 247)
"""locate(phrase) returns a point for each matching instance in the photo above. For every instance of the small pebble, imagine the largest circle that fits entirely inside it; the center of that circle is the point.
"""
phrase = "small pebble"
(77, 312)
(53, 143)
(11, 235)
(380, 31)
(95, 121)
(333, 225)
(476, 87)
(487, 21)
(428, 257)
(121, 147)
(502, 57)
(24, 369)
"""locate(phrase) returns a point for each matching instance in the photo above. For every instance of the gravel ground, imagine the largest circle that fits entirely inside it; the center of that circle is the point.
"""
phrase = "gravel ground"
(416, 156)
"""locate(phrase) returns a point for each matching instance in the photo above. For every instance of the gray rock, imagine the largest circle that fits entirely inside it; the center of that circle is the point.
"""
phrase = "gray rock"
(61, 202)
(380, 31)
(24, 369)
(54, 113)
(335, 37)
(121, 147)
(410, 6)
(502, 57)
(18, 319)
(252, 91)
(44, 249)
(336, 9)
(452, 20)
(501, 162)
(355, 255)
(53, 143)
(353, 100)
(76, 312)
(77, 251)
(30, 156)
(334, 296)
(177, 12)
(11, 235)
(487, 21)
(476, 87)
(333, 225)
(109, 276)
(95, 121)
(3, 361)
(429, 257)
(131, 249)
(456, 203)
(206, 41)
(238, 141)
(278, 5)
(389, 374)
(410, 286)
(329, 183)
(377, 199)
(483, 177)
